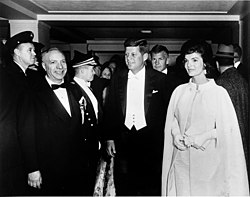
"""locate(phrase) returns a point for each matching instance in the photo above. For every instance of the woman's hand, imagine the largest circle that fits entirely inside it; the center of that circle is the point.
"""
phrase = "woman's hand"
(197, 141)
(179, 142)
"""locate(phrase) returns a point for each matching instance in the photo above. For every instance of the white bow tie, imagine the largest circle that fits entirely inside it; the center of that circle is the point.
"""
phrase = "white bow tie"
(132, 76)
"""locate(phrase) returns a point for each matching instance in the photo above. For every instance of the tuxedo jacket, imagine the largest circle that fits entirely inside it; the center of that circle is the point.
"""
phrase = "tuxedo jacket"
(59, 138)
(17, 144)
(157, 93)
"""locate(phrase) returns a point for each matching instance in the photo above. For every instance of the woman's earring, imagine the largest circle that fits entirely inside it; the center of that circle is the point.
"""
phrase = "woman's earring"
(204, 68)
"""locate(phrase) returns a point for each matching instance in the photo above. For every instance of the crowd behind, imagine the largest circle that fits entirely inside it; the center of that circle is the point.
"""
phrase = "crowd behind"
(132, 126)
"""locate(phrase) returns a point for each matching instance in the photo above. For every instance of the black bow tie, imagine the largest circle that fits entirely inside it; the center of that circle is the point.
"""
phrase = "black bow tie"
(56, 86)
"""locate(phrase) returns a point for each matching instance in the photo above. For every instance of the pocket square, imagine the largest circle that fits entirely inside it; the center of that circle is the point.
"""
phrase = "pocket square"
(154, 91)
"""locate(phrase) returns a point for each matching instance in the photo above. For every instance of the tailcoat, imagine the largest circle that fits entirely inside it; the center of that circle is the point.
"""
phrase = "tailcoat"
(138, 153)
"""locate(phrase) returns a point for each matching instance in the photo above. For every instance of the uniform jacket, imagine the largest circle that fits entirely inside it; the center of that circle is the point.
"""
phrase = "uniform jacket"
(16, 129)
(91, 123)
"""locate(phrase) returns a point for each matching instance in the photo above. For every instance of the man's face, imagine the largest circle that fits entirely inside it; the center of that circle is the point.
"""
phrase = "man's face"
(55, 66)
(25, 54)
(159, 61)
(135, 59)
(88, 73)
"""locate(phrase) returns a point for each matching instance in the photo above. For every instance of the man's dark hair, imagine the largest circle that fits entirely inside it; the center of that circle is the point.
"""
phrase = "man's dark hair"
(158, 49)
(142, 43)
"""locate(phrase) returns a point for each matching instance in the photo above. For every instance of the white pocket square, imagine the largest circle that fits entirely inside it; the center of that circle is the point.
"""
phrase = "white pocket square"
(154, 91)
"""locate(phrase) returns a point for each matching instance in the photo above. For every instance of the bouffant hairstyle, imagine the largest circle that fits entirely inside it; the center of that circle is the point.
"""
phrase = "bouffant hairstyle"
(199, 46)
(205, 49)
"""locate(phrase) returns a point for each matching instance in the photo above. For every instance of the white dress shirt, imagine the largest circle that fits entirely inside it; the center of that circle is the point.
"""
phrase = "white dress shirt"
(165, 71)
(62, 95)
(85, 86)
(135, 114)
(236, 64)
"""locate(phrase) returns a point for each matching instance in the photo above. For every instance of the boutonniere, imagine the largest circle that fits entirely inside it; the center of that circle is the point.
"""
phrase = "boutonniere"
(83, 104)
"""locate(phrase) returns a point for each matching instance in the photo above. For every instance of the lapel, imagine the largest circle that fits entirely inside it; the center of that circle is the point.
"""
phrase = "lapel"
(74, 106)
(148, 89)
(49, 98)
(122, 90)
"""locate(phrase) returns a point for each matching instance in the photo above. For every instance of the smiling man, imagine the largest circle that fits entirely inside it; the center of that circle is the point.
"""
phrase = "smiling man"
(58, 129)
(134, 123)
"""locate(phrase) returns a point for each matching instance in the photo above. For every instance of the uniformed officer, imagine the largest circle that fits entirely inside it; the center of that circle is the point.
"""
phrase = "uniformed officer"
(17, 144)
(83, 65)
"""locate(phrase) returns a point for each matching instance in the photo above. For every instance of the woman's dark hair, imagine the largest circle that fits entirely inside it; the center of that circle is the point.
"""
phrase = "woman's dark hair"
(205, 49)
(104, 67)
(199, 46)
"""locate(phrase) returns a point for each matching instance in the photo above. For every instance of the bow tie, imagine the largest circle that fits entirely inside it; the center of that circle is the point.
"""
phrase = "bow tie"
(56, 86)
(132, 76)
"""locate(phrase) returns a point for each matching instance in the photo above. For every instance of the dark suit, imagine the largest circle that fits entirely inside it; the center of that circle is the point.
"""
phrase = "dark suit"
(17, 144)
(138, 153)
(243, 71)
(60, 143)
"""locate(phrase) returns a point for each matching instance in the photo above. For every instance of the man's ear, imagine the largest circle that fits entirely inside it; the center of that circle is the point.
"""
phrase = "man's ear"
(145, 56)
(43, 65)
(167, 62)
(17, 52)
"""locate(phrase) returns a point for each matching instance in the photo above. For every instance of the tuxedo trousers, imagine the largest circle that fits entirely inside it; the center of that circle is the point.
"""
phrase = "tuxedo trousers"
(137, 164)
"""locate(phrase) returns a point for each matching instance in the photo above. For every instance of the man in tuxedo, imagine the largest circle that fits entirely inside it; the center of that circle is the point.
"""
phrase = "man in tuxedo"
(83, 65)
(134, 122)
(17, 129)
(59, 137)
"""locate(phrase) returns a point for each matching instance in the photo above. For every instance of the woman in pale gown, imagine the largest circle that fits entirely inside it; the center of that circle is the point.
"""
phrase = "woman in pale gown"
(203, 153)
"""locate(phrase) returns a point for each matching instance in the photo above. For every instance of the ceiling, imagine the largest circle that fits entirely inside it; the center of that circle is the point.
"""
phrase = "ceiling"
(76, 21)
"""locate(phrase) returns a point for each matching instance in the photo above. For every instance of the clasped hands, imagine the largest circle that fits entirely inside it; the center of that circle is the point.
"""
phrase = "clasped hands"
(182, 142)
